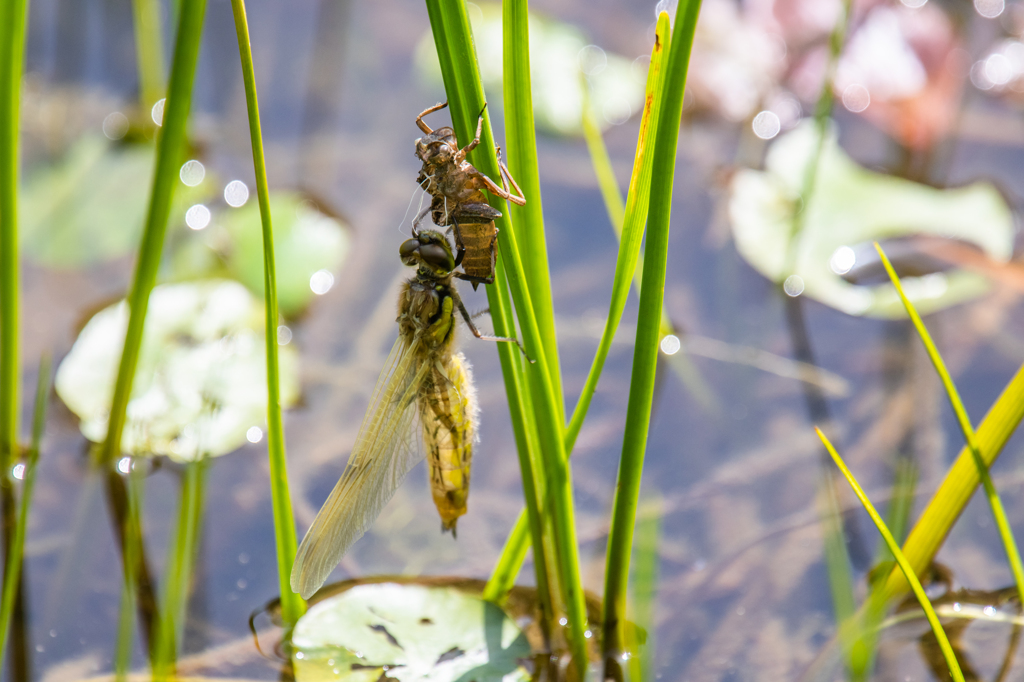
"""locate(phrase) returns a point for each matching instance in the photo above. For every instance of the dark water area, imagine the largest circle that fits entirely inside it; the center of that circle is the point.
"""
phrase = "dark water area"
(743, 590)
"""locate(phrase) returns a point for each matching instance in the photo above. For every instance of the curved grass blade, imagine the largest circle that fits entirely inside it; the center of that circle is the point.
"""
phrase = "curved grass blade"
(973, 446)
(645, 352)
(615, 208)
(904, 564)
(170, 143)
(292, 606)
(503, 577)
(634, 219)
(13, 17)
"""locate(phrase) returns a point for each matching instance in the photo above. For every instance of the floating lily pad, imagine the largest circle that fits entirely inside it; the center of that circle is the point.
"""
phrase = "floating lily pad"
(407, 633)
(91, 206)
(201, 379)
(616, 87)
(306, 241)
(850, 207)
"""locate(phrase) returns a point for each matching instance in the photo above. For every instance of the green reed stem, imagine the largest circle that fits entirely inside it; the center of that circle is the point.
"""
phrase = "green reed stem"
(13, 15)
(513, 554)
(904, 564)
(645, 351)
(131, 558)
(822, 111)
(181, 561)
(865, 635)
(170, 144)
(531, 293)
(633, 221)
(961, 480)
(521, 139)
(615, 207)
(292, 605)
(15, 552)
(628, 251)
(645, 591)
(530, 524)
(998, 512)
(149, 52)
(450, 26)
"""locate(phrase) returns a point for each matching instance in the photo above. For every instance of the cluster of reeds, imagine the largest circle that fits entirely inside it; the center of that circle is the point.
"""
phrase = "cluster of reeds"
(521, 306)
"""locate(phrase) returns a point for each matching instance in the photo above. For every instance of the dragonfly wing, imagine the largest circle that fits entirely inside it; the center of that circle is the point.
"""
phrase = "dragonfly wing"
(383, 454)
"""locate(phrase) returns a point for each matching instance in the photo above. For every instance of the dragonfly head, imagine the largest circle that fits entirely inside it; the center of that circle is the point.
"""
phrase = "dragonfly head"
(439, 147)
(430, 251)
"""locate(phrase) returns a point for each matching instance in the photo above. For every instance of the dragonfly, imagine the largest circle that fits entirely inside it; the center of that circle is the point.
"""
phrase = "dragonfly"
(426, 385)
(457, 197)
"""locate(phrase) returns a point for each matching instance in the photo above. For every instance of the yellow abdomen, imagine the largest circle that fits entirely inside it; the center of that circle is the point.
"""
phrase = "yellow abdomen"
(448, 411)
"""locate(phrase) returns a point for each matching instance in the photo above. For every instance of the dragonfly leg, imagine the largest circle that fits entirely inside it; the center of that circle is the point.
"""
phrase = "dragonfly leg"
(476, 139)
(477, 333)
(419, 119)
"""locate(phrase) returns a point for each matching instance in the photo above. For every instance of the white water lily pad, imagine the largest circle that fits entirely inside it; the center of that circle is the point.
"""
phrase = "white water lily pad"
(201, 379)
(850, 207)
(90, 206)
(305, 242)
(419, 633)
(616, 87)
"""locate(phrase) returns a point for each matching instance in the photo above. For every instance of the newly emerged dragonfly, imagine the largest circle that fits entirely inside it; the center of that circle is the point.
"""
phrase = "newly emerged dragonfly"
(457, 198)
(425, 381)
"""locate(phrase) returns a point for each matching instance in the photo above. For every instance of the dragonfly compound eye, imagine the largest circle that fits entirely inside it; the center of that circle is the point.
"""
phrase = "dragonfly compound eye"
(437, 257)
(407, 251)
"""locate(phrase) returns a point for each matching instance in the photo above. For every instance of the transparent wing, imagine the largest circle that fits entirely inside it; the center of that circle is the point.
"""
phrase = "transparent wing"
(383, 454)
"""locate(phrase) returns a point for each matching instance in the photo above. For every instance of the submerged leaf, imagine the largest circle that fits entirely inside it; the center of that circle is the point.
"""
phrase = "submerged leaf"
(306, 242)
(407, 633)
(91, 206)
(562, 65)
(851, 207)
(201, 378)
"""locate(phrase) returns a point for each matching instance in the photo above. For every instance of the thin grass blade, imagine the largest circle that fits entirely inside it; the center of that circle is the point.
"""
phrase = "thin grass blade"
(15, 558)
(822, 112)
(633, 221)
(13, 18)
(170, 145)
(904, 564)
(181, 560)
(132, 543)
(615, 206)
(645, 591)
(149, 52)
(973, 446)
(292, 605)
(645, 353)
(521, 144)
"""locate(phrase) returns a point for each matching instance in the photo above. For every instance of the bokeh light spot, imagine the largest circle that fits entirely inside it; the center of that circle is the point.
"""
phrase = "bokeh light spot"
(192, 172)
(766, 125)
(197, 217)
(115, 125)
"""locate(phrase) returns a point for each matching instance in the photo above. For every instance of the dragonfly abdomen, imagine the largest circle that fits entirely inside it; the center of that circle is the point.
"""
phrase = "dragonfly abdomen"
(448, 412)
(480, 241)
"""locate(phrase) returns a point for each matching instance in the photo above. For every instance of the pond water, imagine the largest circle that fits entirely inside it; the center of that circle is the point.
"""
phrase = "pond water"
(743, 592)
